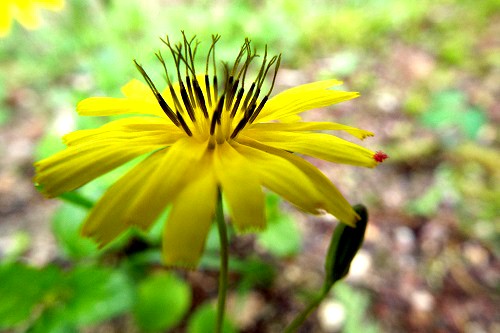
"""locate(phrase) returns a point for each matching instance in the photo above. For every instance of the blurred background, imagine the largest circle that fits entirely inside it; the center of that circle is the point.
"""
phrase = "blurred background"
(429, 77)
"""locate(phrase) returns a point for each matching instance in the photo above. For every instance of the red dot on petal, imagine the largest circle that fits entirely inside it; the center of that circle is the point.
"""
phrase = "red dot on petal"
(380, 156)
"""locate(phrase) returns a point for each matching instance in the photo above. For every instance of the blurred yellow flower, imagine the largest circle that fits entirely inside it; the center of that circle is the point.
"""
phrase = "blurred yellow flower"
(200, 136)
(24, 11)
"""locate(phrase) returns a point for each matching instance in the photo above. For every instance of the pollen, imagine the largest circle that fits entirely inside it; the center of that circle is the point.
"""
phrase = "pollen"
(380, 156)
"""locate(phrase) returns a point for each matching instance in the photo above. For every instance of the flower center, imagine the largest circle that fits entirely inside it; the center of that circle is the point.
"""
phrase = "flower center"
(202, 108)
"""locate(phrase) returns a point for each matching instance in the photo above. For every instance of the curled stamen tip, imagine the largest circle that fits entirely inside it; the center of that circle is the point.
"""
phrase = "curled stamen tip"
(380, 156)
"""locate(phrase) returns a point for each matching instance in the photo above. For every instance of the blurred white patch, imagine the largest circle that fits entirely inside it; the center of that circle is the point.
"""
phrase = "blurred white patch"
(331, 315)
(422, 300)
(64, 122)
(360, 266)
(386, 101)
(405, 239)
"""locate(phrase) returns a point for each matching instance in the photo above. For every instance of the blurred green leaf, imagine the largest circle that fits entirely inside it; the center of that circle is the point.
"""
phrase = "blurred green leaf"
(203, 321)
(254, 273)
(163, 300)
(48, 300)
(48, 145)
(281, 237)
(449, 110)
(99, 294)
(356, 306)
(444, 188)
(66, 225)
(88, 295)
(23, 290)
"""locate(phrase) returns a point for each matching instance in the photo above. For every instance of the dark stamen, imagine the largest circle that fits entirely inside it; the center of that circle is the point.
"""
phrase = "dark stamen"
(164, 106)
(207, 87)
(217, 115)
(187, 103)
(248, 96)
(257, 111)
(237, 103)
(170, 86)
(190, 92)
(184, 125)
(200, 98)
(239, 127)
(249, 112)
(216, 89)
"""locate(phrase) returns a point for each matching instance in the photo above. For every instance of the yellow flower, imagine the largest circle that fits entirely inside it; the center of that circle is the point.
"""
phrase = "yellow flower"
(25, 12)
(198, 137)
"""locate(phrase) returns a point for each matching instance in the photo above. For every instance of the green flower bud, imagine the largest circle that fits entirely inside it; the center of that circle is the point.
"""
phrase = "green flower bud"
(344, 245)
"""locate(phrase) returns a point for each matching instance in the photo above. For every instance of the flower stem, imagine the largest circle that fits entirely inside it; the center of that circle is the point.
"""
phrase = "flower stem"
(301, 317)
(223, 272)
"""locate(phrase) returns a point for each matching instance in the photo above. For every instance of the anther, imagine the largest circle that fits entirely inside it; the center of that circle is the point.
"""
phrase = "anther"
(248, 96)
(199, 97)
(257, 111)
(184, 125)
(207, 87)
(187, 103)
(237, 102)
(232, 92)
(189, 90)
(239, 127)
(217, 115)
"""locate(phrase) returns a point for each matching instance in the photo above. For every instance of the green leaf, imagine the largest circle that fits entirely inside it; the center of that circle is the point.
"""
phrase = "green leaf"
(472, 122)
(88, 295)
(281, 237)
(163, 300)
(99, 294)
(203, 320)
(449, 109)
(24, 288)
(254, 272)
(48, 145)
(356, 306)
(444, 109)
(66, 225)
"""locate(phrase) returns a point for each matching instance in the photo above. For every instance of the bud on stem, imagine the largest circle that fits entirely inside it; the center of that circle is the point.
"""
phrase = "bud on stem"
(344, 245)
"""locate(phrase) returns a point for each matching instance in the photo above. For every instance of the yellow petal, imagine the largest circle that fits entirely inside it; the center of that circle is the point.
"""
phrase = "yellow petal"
(323, 146)
(106, 221)
(77, 165)
(51, 4)
(333, 201)
(241, 187)
(309, 126)
(283, 178)
(135, 89)
(26, 15)
(189, 220)
(166, 181)
(109, 106)
(302, 98)
(5, 19)
(148, 130)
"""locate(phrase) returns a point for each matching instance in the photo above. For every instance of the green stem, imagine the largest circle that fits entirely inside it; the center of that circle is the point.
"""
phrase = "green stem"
(299, 320)
(223, 272)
